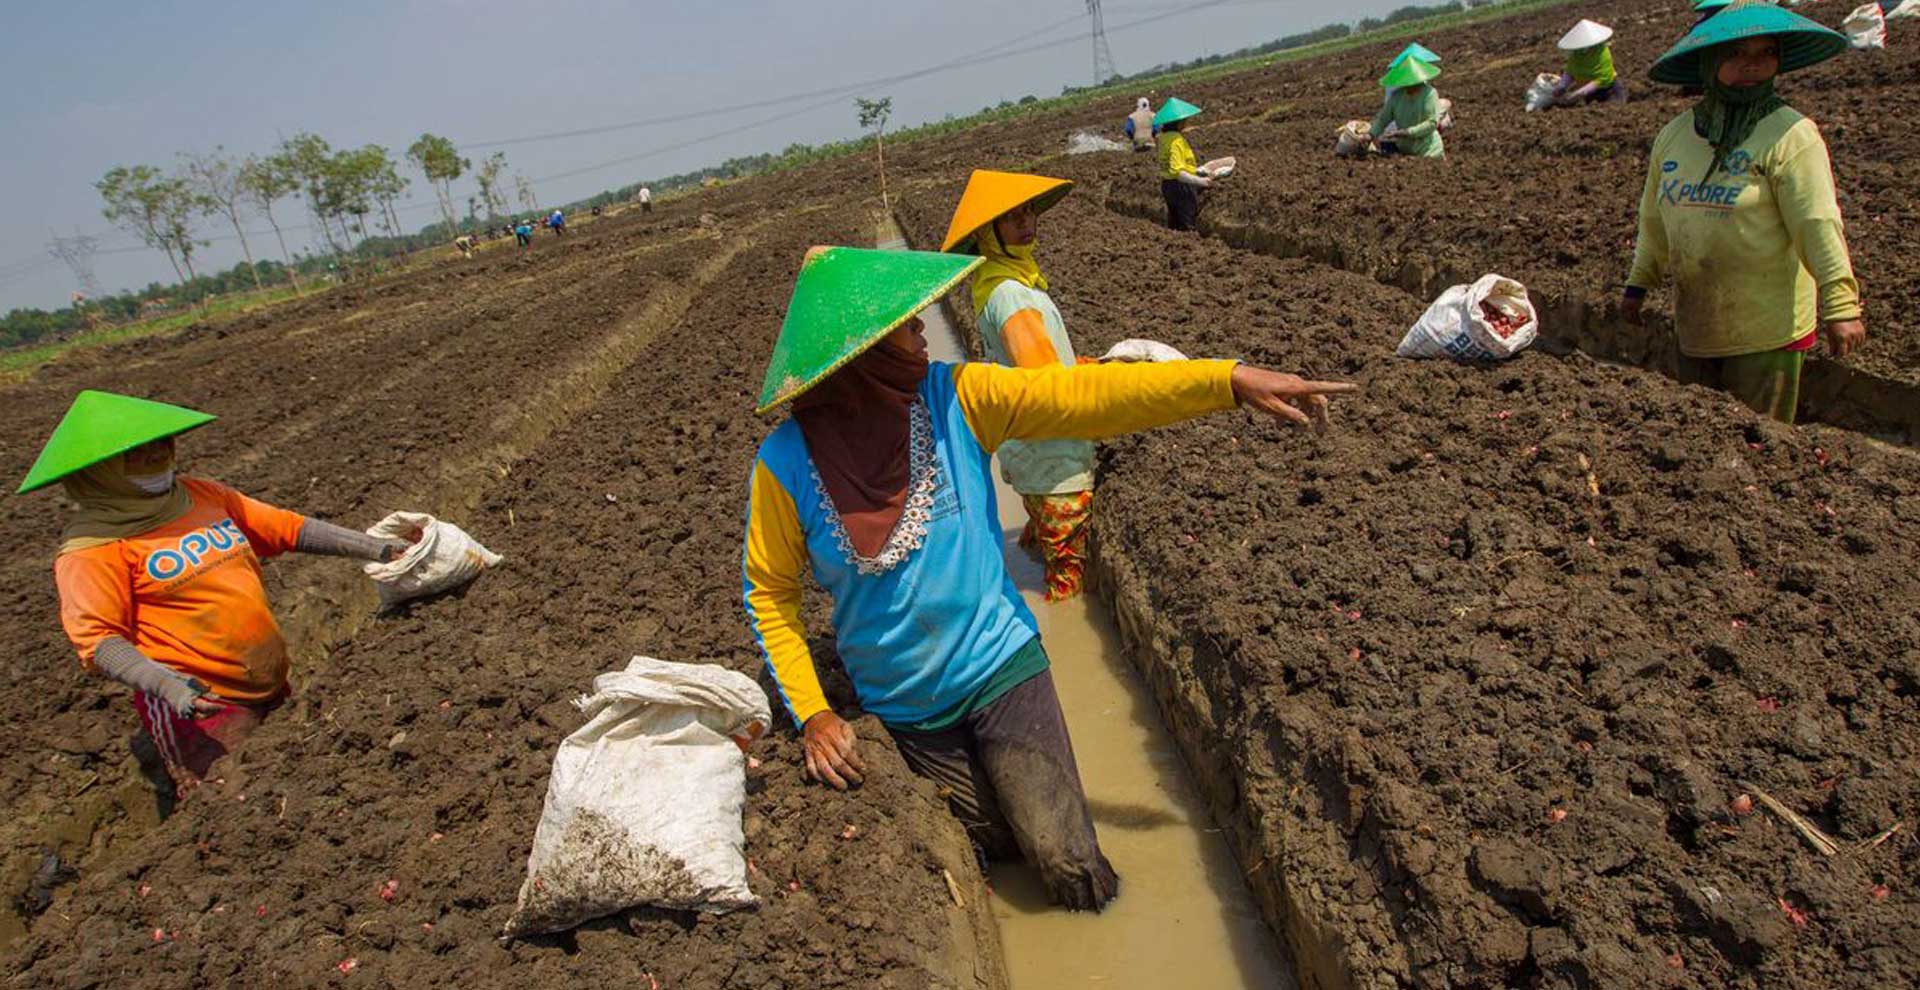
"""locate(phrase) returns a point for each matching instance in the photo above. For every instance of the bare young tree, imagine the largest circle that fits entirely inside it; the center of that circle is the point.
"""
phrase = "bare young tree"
(215, 181)
(874, 114)
(524, 190)
(492, 196)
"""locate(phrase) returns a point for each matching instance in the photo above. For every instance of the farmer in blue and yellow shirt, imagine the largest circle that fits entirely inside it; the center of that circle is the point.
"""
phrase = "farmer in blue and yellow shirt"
(879, 486)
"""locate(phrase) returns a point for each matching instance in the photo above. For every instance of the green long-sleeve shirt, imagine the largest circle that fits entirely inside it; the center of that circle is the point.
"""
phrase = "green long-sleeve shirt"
(1757, 252)
(1418, 114)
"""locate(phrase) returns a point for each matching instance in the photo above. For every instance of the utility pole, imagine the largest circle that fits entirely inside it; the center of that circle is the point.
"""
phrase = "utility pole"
(1102, 55)
(76, 253)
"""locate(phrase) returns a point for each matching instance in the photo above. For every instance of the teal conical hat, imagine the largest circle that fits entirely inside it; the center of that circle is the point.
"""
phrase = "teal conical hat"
(1411, 72)
(1175, 109)
(1415, 50)
(1711, 4)
(844, 301)
(1802, 42)
(99, 425)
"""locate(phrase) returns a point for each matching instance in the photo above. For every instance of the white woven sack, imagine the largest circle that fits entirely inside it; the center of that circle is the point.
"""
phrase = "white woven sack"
(1540, 94)
(1455, 327)
(1866, 27)
(1907, 8)
(1354, 135)
(1137, 350)
(442, 556)
(645, 800)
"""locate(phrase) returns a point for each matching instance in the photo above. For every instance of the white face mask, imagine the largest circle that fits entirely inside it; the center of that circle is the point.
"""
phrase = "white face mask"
(153, 484)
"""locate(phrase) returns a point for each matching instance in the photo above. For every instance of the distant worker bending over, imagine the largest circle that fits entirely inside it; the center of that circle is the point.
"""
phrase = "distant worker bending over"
(1589, 76)
(1409, 122)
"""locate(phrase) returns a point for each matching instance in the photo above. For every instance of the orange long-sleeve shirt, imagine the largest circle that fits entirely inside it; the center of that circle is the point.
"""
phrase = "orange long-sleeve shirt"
(188, 594)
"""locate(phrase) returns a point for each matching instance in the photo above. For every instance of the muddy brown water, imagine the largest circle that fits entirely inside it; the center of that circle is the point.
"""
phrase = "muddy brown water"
(1184, 916)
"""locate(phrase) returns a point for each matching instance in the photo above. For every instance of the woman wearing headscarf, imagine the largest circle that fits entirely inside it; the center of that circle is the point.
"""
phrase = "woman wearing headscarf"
(878, 486)
(159, 576)
(1409, 122)
(1020, 327)
(1739, 213)
(1589, 75)
(1140, 127)
(1180, 178)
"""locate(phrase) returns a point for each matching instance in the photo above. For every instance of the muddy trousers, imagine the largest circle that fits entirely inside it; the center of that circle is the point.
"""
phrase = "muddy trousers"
(1007, 771)
(1768, 382)
(1183, 204)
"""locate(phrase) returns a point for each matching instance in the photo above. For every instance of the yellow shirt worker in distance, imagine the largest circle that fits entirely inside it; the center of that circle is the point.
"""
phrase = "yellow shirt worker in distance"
(1739, 212)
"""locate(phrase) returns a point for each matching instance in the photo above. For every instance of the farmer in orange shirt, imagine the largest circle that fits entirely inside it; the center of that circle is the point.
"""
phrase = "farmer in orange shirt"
(159, 576)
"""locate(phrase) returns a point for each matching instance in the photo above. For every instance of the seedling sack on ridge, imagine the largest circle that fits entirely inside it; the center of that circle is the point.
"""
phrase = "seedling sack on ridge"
(1490, 320)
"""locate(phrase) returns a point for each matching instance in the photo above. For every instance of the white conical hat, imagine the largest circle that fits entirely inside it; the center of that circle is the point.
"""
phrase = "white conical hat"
(1585, 34)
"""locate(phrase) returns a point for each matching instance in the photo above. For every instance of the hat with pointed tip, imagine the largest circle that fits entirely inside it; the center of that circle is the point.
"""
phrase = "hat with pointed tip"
(101, 424)
(1173, 111)
(1585, 34)
(1802, 42)
(1415, 50)
(990, 195)
(1411, 72)
(844, 301)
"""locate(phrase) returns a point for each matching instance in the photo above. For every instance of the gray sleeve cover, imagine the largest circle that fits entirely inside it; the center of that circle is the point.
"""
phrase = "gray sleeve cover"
(322, 537)
(123, 662)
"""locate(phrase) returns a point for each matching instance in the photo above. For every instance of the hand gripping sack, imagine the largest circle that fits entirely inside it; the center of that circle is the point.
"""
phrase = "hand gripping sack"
(1457, 325)
(1540, 94)
(443, 556)
(1866, 27)
(645, 799)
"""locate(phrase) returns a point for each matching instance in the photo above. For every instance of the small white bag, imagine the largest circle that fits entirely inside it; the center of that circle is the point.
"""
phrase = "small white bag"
(1135, 350)
(1540, 94)
(645, 800)
(442, 556)
(1355, 135)
(1866, 27)
(1219, 168)
(1456, 327)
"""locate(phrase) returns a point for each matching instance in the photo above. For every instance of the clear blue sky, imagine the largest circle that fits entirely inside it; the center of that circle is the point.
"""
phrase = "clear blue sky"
(97, 83)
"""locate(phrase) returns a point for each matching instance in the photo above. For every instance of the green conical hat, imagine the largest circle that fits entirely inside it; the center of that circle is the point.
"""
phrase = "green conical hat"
(1175, 109)
(99, 425)
(1802, 42)
(844, 301)
(1415, 50)
(1411, 72)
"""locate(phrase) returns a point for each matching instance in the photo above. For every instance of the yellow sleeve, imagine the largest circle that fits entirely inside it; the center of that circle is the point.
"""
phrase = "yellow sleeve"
(1089, 401)
(1650, 247)
(1803, 188)
(776, 564)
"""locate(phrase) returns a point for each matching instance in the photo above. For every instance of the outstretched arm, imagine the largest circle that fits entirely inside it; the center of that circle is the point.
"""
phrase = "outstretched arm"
(1093, 402)
(318, 536)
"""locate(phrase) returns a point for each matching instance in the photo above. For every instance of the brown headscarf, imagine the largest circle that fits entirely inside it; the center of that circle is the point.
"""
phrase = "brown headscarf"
(857, 428)
(112, 508)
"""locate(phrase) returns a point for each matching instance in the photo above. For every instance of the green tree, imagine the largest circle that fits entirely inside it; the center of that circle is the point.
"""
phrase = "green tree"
(215, 181)
(155, 207)
(310, 160)
(492, 196)
(264, 182)
(874, 114)
(437, 158)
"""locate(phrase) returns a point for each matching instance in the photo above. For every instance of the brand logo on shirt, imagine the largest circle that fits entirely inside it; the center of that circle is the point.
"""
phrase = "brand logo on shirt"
(1669, 165)
(1712, 195)
(191, 549)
